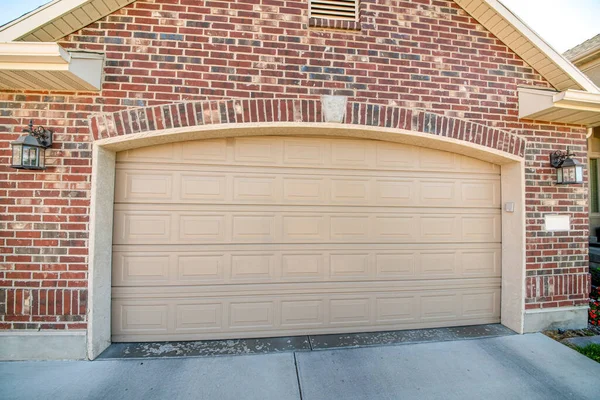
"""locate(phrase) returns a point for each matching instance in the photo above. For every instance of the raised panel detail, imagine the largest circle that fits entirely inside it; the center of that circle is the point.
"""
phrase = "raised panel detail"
(256, 150)
(481, 263)
(251, 315)
(143, 186)
(137, 268)
(395, 309)
(204, 228)
(349, 265)
(396, 265)
(439, 306)
(303, 227)
(302, 266)
(203, 187)
(143, 318)
(253, 228)
(349, 311)
(303, 190)
(252, 267)
(200, 268)
(199, 317)
(349, 191)
(302, 313)
(480, 304)
(205, 150)
(349, 228)
(303, 152)
(436, 264)
(254, 188)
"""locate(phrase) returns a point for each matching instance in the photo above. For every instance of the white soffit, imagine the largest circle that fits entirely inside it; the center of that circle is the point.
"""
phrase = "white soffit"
(570, 107)
(58, 19)
(521, 39)
(47, 66)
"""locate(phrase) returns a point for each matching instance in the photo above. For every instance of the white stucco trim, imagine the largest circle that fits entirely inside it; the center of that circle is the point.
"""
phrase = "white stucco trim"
(99, 301)
(553, 318)
(42, 345)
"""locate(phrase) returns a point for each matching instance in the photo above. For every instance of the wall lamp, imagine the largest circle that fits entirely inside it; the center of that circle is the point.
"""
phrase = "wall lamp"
(568, 170)
(29, 151)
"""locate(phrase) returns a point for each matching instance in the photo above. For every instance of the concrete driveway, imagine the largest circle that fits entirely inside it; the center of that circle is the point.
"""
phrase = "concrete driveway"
(509, 367)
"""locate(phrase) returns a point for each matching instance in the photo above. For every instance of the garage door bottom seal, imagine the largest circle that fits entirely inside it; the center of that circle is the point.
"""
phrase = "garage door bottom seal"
(231, 347)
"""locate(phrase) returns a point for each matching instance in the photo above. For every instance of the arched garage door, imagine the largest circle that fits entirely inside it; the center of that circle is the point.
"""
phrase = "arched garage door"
(271, 236)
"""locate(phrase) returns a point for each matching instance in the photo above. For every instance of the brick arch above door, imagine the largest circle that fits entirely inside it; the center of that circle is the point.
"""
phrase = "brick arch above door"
(241, 112)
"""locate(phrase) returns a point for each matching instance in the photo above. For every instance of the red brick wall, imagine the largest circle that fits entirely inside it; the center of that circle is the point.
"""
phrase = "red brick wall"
(419, 54)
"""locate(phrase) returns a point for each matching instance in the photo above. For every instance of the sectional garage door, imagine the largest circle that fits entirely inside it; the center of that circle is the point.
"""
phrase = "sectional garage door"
(270, 236)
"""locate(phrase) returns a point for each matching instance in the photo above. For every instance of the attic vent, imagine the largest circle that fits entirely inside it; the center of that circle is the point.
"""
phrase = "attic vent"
(334, 9)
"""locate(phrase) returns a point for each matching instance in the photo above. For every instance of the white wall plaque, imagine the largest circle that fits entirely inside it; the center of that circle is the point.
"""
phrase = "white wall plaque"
(557, 223)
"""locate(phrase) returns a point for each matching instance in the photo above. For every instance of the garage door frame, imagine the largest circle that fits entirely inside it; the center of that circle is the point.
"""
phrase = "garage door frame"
(102, 199)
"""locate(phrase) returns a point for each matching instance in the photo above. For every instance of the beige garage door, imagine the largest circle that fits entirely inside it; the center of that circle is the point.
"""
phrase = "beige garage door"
(269, 236)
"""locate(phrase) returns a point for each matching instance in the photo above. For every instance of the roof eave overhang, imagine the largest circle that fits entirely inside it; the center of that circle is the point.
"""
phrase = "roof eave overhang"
(574, 107)
(47, 66)
(57, 19)
(521, 39)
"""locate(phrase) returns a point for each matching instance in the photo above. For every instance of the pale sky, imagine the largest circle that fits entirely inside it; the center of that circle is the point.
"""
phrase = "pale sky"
(562, 23)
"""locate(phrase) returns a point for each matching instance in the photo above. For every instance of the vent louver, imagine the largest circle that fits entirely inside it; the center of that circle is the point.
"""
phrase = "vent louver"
(334, 9)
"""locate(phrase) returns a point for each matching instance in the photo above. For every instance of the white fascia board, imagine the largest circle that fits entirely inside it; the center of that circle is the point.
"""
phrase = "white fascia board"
(33, 52)
(535, 39)
(27, 56)
(38, 17)
(577, 100)
(537, 103)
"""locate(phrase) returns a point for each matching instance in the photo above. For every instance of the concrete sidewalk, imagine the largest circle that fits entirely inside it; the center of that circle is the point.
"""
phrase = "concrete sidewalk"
(510, 367)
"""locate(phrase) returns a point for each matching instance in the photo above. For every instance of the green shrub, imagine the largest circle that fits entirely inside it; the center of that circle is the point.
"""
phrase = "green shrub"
(595, 271)
(592, 351)
(594, 312)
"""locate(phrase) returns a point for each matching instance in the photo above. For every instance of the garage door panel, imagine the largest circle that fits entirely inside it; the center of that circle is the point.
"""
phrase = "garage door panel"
(151, 268)
(315, 152)
(198, 268)
(196, 188)
(279, 314)
(251, 314)
(215, 150)
(349, 310)
(259, 150)
(157, 227)
(198, 317)
(302, 266)
(302, 313)
(277, 187)
(132, 186)
(269, 236)
(256, 189)
(203, 228)
(254, 267)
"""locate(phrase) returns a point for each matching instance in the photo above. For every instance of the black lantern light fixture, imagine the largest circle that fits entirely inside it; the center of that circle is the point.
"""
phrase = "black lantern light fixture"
(29, 151)
(568, 169)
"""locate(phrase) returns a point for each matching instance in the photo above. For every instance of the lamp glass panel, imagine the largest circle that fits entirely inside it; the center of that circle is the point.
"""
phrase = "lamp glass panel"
(33, 158)
(569, 174)
(17, 154)
(42, 158)
(579, 174)
(559, 175)
(26, 155)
